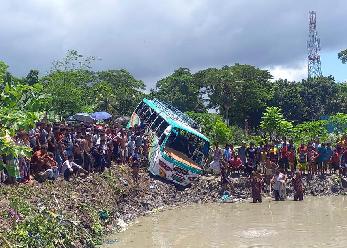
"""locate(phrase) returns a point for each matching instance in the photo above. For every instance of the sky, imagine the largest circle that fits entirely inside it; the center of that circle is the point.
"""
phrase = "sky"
(152, 38)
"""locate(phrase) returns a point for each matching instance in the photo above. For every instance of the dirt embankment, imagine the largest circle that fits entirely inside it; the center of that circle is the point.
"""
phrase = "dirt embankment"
(81, 212)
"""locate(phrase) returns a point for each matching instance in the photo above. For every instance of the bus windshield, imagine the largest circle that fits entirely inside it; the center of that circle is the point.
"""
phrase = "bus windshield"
(188, 144)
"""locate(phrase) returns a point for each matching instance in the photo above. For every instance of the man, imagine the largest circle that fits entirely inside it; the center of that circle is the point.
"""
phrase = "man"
(328, 156)
(284, 152)
(43, 166)
(70, 167)
(236, 163)
(322, 158)
(217, 156)
(279, 181)
(242, 152)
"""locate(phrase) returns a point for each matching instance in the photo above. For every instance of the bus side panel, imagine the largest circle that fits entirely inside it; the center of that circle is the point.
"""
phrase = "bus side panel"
(159, 166)
(153, 153)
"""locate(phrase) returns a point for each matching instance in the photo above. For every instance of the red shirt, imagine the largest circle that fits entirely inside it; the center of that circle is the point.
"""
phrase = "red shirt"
(236, 163)
(291, 156)
(335, 158)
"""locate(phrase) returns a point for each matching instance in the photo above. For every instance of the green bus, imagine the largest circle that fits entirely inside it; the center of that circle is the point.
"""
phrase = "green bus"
(178, 150)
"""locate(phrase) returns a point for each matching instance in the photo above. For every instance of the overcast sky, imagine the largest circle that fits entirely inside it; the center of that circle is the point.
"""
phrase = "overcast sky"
(152, 38)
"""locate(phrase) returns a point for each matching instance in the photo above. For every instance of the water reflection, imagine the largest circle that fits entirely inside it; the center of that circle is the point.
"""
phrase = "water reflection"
(315, 222)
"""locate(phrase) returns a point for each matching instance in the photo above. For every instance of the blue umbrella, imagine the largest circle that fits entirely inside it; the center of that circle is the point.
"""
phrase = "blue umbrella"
(99, 116)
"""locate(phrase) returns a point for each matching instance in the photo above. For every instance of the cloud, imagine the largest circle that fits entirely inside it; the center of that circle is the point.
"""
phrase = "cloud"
(296, 73)
(152, 38)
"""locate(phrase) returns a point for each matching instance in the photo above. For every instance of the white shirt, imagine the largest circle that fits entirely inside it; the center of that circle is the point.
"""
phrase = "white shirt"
(67, 165)
(278, 181)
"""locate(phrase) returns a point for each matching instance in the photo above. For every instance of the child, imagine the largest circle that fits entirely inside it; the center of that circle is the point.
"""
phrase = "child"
(291, 159)
(312, 160)
(335, 161)
(224, 175)
(135, 164)
(302, 157)
(298, 187)
(257, 184)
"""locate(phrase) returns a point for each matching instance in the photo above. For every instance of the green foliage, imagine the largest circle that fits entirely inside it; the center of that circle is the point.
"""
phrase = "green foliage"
(181, 90)
(121, 89)
(341, 97)
(32, 77)
(19, 109)
(339, 122)
(310, 131)
(287, 96)
(273, 124)
(343, 56)
(43, 229)
(319, 97)
(67, 96)
(213, 126)
(239, 92)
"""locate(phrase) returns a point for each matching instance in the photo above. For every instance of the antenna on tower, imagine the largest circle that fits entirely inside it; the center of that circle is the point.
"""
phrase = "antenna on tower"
(313, 47)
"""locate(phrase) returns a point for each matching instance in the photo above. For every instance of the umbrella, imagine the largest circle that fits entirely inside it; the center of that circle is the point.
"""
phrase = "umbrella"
(122, 119)
(99, 116)
(84, 117)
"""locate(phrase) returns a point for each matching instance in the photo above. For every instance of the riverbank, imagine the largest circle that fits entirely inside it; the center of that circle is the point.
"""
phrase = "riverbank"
(81, 212)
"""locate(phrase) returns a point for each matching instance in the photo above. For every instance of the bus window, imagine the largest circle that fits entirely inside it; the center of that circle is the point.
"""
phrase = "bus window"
(147, 115)
(138, 110)
(157, 123)
(151, 119)
(142, 112)
(187, 144)
(162, 138)
(161, 128)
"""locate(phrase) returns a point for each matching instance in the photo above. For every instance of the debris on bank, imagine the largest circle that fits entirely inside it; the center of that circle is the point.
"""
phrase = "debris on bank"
(81, 212)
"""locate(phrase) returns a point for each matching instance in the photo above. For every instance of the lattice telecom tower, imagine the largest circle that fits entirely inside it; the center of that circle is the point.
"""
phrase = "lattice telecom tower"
(313, 47)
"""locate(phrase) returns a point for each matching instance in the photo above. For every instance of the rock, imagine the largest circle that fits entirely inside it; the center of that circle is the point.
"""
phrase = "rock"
(344, 182)
(121, 225)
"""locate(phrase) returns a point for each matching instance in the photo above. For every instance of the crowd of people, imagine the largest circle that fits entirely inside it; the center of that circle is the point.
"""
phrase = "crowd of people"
(74, 149)
(77, 149)
(272, 164)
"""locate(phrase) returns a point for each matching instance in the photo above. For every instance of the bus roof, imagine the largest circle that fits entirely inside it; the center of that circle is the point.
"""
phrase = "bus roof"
(174, 119)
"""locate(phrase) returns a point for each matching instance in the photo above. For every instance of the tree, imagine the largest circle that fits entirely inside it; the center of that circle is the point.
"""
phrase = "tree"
(273, 124)
(339, 123)
(310, 130)
(286, 95)
(343, 56)
(105, 97)
(341, 97)
(319, 97)
(213, 126)
(32, 77)
(181, 90)
(239, 92)
(69, 85)
(18, 111)
(127, 91)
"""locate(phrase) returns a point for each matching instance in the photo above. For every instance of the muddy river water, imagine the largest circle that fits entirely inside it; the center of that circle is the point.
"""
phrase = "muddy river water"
(315, 222)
